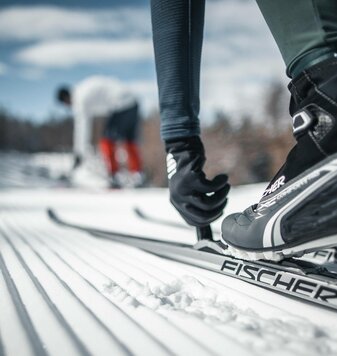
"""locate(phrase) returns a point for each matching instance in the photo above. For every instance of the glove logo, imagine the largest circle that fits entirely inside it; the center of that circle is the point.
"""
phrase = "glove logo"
(171, 164)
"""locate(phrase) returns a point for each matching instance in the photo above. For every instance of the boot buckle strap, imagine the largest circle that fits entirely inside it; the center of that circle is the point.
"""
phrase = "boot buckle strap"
(302, 121)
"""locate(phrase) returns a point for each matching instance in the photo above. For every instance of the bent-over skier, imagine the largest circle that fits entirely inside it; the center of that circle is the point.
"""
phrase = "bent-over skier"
(298, 210)
(106, 98)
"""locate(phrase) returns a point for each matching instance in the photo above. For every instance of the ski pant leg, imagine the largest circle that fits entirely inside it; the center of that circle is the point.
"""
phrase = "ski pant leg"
(134, 159)
(112, 127)
(108, 151)
(177, 36)
(131, 121)
(108, 145)
(123, 126)
(305, 31)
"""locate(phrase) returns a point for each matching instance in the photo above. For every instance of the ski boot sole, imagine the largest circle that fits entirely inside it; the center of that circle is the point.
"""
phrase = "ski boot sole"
(278, 255)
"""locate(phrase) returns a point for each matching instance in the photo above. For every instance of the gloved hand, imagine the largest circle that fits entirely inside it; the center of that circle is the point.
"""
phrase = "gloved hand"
(77, 161)
(198, 200)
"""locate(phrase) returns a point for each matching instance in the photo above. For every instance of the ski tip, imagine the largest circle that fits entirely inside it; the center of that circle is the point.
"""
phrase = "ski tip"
(138, 212)
(51, 214)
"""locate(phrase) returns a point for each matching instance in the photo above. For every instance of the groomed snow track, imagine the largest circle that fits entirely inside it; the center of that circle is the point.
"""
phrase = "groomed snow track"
(49, 295)
(64, 292)
(61, 297)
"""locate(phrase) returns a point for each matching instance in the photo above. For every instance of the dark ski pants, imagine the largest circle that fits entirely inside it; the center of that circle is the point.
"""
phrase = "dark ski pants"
(305, 32)
(122, 127)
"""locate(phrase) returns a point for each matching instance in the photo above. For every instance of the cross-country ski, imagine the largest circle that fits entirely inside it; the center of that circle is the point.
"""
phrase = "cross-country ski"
(310, 282)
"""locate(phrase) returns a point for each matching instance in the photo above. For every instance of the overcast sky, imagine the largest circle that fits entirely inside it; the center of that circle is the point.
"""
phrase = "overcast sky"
(47, 43)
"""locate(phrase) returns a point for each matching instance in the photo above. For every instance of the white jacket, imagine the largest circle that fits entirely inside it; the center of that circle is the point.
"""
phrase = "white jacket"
(96, 97)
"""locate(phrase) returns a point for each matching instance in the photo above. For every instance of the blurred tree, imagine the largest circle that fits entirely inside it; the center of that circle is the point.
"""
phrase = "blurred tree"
(26, 136)
(248, 153)
(276, 107)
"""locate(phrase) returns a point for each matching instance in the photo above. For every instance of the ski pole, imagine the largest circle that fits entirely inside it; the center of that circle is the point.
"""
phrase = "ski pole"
(204, 233)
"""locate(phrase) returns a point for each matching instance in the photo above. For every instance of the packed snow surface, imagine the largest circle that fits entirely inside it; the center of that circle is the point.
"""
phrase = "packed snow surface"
(64, 292)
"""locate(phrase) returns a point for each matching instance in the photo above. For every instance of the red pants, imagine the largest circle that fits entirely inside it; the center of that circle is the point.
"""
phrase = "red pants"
(108, 150)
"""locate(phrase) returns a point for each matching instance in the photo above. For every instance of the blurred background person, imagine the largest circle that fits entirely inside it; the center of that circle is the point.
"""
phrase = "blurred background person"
(107, 98)
(113, 39)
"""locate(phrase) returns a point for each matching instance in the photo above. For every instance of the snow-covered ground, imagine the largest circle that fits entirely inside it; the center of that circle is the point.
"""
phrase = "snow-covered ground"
(63, 292)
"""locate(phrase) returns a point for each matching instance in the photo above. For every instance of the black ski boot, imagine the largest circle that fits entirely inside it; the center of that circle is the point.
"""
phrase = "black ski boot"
(298, 211)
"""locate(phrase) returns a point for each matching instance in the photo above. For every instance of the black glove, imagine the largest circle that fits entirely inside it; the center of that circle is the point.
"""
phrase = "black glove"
(198, 200)
(77, 161)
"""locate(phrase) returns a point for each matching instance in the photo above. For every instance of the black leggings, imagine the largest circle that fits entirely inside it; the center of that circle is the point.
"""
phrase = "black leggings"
(305, 31)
